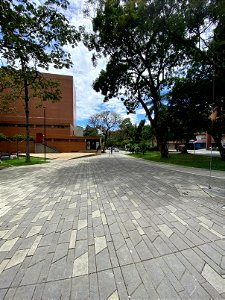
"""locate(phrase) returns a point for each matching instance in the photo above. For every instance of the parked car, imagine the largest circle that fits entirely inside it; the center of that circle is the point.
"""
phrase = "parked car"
(116, 150)
(4, 156)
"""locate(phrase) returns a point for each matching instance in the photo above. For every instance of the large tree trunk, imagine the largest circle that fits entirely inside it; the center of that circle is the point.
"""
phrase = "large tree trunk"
(218, 139)
(163, 148)
(160, 134)
(105, 140)
(216, 133)
(26, 98)
(185, 148)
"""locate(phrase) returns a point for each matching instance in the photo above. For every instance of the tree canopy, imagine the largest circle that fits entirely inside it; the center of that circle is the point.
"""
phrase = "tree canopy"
(90, 131)
(33, 35)
(138, 38)
(189, 104)
(147, 44)
(105, 122)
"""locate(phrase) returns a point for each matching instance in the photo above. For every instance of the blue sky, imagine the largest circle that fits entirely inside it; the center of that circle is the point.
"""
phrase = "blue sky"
(88, 102)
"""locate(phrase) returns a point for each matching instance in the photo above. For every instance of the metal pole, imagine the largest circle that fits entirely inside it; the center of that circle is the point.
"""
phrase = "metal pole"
(210, 163)
(210, 166)
(44, 133)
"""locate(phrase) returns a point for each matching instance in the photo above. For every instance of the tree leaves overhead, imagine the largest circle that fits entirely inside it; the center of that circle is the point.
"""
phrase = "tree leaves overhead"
(148, 43)
(137, 36)
(33, 35)
(36, 33)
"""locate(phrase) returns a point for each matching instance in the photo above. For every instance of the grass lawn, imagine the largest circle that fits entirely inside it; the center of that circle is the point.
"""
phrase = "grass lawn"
(21, 162)
(188, 160)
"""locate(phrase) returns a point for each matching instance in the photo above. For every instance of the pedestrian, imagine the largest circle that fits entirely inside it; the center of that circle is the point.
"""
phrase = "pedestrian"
(98, 148)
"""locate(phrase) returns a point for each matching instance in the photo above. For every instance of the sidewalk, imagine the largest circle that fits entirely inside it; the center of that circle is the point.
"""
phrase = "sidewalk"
(110, 228)
(205, 152)
(61, 156)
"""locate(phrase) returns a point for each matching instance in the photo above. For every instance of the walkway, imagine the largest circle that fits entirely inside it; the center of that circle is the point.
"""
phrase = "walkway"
(111, 227)
(62, 156)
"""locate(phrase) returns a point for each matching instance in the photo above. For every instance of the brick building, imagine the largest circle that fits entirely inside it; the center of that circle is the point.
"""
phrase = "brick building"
(52, 123)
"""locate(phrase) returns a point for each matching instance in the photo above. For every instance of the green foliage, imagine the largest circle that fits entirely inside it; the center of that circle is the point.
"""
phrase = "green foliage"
(189, 104)
(40, 87)
(147, 133)
(188, 160)
(33, 35)
(34, 32)
(105, 122)
(143, 147)
(19, 137)
(147, 43)
(138, 38)
(90, 131)
(130, 135)
(21, 162)
(2, 137)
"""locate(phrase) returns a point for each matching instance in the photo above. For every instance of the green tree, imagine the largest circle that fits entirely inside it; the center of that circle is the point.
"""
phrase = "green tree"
(105, 122)
(90, 131)
(124, 134)
(32, 36)
(126, 129)
(138, 38)
(147, 133)
(217, 53)
(205, 22)
(189, 103)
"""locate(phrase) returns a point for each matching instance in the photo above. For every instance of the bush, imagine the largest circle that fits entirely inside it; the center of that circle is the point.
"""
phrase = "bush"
(137, 149)
(143, 147)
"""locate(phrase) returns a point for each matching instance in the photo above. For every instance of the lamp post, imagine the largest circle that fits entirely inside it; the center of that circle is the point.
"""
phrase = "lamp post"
(44, 140)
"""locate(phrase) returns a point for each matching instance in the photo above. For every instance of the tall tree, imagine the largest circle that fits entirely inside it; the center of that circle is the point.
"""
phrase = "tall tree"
(126, 129)
(105, 121)
(205, 21)
(90, 131)
(189, 103)
(33, 35)
(138, 38)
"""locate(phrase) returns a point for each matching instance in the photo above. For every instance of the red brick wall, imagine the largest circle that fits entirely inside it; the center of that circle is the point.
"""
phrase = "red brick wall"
(11, 147)
(56, 114)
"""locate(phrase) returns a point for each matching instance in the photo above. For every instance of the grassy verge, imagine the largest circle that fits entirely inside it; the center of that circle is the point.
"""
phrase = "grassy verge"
(188, 160)
(21, 162)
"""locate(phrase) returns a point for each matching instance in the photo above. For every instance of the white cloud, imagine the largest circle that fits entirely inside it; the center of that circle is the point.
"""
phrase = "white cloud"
(88, 102)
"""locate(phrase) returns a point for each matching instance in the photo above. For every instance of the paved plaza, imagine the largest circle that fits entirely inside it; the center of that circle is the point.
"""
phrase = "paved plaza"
(111, 227)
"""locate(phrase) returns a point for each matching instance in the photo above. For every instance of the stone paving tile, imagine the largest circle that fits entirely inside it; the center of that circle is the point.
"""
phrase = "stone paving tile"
(131, 278)
(106, 282)
(192, 287)
(152, 293)
(10, 293)
(87, 230)
(80, 288)
(103, 260)
(93, 287)
(24, 292)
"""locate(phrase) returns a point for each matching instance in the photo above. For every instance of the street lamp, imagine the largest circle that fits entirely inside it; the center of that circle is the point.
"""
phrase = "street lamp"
(44, 139)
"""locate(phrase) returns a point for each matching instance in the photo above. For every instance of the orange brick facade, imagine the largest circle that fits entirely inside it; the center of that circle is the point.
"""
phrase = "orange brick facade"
(58, 123)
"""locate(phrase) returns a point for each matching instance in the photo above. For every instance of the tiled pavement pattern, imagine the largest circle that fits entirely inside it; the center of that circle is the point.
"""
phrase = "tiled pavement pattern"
(110, 228)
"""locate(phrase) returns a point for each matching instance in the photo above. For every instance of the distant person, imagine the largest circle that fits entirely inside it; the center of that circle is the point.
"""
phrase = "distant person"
(98, 148)
(111, 150)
